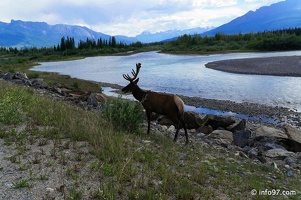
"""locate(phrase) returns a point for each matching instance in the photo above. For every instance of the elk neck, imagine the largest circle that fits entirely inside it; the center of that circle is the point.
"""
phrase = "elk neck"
(138, 93)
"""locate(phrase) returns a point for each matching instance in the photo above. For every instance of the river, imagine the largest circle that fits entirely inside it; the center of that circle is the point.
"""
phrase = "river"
(187, 75)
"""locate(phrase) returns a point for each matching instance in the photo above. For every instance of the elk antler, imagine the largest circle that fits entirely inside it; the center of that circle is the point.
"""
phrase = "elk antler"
(135, 74)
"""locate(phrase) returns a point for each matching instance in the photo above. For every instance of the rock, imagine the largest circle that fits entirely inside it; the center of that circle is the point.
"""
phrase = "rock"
(7, 76)
(171, 129)
(289, 173)
(242, 138)
(20, 81)
(101, 98)
(222, 137)
(217, 121)
(62, 91)
(289, 161)
(239, 126)
(269, 132)
(39, 83)
(295, 135)
(205, 129)
(289, 144)
(192, 120)
(96, 99)
(163, 128)
(275, 165)
(20, 75)
(200, 135)
(269, 145)
(164, 120)
(278, 153)
(253, 153)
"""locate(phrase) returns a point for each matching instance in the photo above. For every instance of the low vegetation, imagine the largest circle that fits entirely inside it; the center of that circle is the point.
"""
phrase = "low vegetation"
(129, 164)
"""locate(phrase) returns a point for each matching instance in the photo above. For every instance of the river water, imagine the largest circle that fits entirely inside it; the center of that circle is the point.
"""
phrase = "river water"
(187, 75)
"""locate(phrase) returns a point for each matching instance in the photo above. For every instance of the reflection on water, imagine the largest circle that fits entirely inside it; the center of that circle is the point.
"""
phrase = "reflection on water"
(187, 75)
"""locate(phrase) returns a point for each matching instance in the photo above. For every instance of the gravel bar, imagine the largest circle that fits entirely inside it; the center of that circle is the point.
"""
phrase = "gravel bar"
(274, 66)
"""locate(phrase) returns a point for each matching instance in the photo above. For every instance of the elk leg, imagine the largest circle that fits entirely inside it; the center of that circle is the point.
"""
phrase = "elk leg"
(149, 118)
(179, 123)
(185, 129)
(176, 135)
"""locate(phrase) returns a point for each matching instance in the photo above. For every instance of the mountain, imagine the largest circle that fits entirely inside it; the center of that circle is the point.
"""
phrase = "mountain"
(147, 37)
(18, 33)
(284, 14)
(281, 15)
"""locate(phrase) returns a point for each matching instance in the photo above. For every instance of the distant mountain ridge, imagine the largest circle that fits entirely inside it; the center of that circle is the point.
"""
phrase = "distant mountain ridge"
(147, 37)
(19, 33)
(40, 34)
(281, 15)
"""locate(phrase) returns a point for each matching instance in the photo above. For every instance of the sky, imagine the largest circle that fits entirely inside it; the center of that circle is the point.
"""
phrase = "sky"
(130, 17)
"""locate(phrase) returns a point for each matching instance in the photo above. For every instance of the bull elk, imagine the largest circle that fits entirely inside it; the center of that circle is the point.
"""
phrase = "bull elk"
(165, 104)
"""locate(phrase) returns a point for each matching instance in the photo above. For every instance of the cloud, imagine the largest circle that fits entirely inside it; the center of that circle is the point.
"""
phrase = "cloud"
(129, 17)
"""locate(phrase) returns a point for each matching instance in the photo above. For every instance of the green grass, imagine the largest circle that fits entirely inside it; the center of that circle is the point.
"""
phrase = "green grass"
(129, 167)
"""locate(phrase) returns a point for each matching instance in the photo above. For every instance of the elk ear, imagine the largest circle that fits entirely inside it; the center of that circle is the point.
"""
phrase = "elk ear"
(136, 81)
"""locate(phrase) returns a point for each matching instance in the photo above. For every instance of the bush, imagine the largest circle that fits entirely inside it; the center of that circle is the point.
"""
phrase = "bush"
(123, 114)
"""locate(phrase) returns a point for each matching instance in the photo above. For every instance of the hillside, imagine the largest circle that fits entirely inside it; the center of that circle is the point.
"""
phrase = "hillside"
(285, 14)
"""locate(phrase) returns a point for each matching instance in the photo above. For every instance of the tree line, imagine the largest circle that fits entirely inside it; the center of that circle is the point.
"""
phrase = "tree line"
(278, 40)
(69, 43)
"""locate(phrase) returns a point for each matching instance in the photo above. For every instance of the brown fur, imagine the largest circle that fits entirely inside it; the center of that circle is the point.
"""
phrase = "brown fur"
(160, 103)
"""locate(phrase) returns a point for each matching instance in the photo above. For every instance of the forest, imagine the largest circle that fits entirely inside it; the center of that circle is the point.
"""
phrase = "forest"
(278, 40)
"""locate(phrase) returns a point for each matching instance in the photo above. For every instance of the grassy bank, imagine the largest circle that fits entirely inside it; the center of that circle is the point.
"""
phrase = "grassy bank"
(127, 163)
(15, 63)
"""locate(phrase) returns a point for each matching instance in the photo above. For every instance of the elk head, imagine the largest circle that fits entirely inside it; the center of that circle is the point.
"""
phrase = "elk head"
(133, 83)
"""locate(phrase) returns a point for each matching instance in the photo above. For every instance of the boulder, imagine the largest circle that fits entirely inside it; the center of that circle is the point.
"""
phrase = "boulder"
(20, 75)
(278, 153)
(222, 137)
(265, 131)
(192, 120)
(164, 120)
(205, 129)
(38, 83)
(242, 138)
(7, 76)
(289, 144)
(217, 121)
(293, 134)
(239, 126)
(96, 99)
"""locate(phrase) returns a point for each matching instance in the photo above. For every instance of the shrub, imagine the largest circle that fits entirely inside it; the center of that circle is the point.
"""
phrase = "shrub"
(123, 114)
(11, 104)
